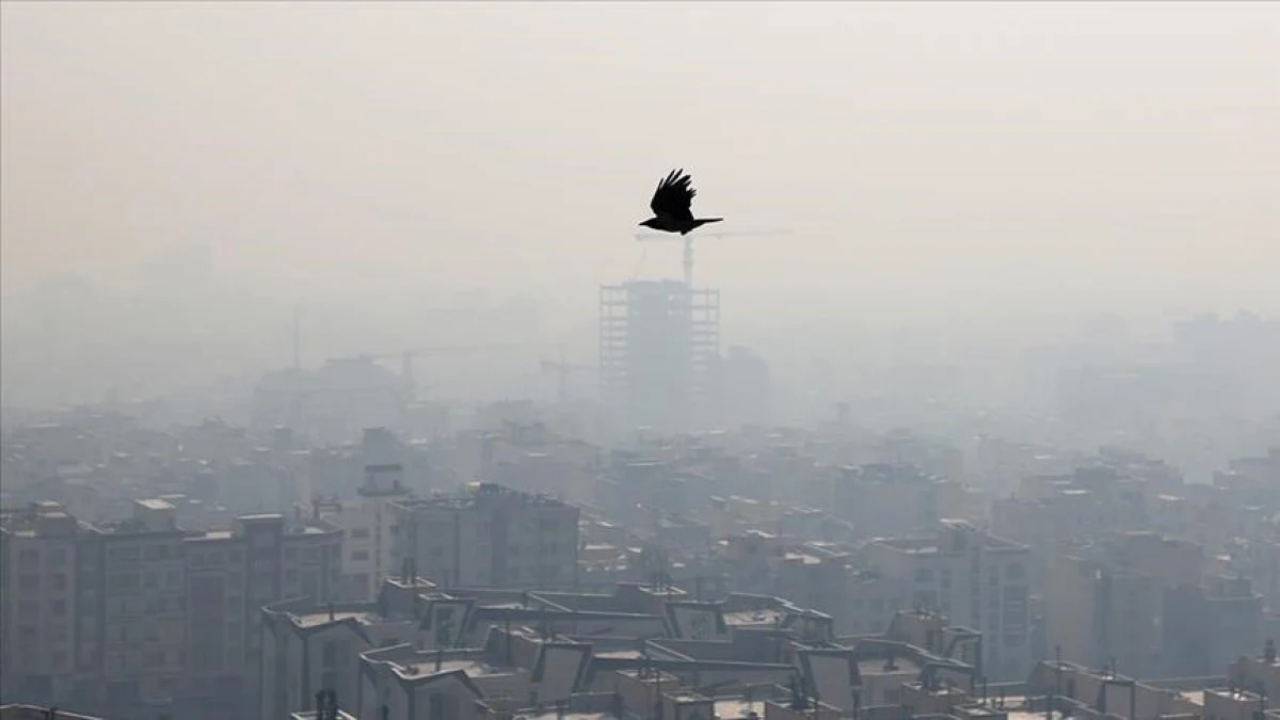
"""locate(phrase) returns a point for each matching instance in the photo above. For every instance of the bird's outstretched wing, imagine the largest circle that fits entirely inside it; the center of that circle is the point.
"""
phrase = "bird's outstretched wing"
(674, 197)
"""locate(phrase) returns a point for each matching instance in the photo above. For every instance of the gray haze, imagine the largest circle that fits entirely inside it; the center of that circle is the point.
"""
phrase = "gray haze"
(929, 159)
(334, 375)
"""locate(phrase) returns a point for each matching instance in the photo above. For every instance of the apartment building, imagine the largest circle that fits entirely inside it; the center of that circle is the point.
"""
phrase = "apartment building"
(114, 616)
(887, 499)
(1105, 603)
(309, 647)
(368, 525)
(973, 578)
(1207, 627)
(489, 536)
(37, 591)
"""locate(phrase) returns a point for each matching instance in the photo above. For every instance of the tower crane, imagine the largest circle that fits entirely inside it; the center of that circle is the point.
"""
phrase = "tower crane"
(407, 356)
(564, 369)
(687, 240)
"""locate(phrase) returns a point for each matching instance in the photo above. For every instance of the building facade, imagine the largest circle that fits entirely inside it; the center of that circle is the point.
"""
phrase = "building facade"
(489, 536)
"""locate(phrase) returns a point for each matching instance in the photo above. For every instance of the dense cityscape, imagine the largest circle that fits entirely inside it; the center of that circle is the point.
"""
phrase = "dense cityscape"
(374, 361)
(490, 563)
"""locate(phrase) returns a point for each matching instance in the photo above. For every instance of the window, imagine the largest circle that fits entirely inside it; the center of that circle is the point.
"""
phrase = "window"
(924, 575)
(359, 555)
(360, 534)
(59, 608)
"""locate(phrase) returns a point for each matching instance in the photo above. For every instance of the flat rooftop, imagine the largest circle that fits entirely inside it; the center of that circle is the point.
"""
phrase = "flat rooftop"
(566, 715)
(315, 619)
(762, 616)
(875, 666)
(737, 708)
(1028, 715)
(425, 665)
(620, 653)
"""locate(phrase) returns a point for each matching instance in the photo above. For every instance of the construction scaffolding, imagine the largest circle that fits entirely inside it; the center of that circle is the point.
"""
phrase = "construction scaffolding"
(659, 350)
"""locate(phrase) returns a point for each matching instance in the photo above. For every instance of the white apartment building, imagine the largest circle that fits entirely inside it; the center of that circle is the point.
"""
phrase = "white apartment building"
(368, 525)
(110, 617)
(975, 580)
(489, 536)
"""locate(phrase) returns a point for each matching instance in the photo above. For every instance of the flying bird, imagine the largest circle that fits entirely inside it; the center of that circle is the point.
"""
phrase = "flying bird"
(672, 206)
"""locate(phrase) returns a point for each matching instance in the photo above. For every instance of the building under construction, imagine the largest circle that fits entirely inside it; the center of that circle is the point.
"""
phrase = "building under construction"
(659, 349)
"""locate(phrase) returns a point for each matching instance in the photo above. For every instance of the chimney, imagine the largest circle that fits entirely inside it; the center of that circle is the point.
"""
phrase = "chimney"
(1269, 652)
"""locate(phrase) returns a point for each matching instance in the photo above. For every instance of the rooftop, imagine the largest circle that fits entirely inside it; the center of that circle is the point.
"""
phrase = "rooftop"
(480, 495)
(876, 666)
(315, 619)
(738, 707)
(562, 715)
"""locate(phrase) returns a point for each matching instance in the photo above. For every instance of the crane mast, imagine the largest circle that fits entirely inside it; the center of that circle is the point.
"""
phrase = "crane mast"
(687, 244)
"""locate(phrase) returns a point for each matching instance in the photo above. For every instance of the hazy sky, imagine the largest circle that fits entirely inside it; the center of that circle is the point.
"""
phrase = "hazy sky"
(1042, 152)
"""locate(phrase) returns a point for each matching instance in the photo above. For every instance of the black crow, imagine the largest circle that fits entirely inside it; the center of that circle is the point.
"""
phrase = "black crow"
(671, 205)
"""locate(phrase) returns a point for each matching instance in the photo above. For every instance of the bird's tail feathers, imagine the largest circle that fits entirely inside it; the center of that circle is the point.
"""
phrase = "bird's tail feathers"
(704, 221)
